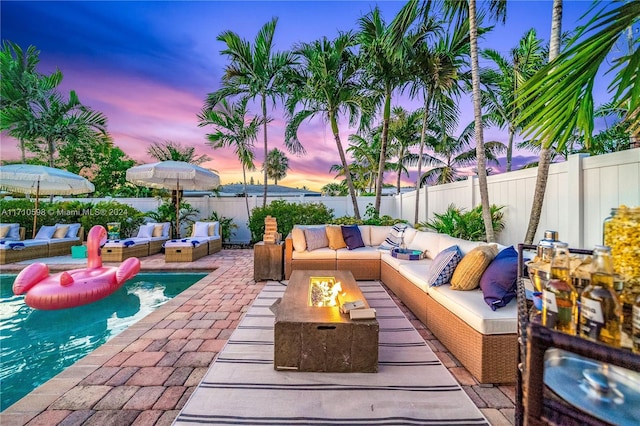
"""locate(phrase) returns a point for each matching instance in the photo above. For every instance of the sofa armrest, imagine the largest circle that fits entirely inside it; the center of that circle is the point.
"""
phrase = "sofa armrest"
(288, 255)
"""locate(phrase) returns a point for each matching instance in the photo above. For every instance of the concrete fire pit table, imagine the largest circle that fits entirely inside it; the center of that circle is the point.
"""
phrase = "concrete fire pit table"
(321, 338)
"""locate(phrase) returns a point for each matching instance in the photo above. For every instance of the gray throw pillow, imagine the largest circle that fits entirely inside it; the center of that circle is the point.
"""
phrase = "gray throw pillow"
(316, 238)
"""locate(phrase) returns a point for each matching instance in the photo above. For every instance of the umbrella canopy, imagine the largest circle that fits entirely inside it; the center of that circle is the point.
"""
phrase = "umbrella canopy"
(42, 180)
(173, 175)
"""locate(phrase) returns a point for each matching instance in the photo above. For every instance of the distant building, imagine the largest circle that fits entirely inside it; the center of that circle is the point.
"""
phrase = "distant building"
(237, 190)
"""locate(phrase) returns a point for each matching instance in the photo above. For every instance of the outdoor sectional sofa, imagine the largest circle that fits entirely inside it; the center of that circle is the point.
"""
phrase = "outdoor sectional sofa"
(482, 339)
(54, 240)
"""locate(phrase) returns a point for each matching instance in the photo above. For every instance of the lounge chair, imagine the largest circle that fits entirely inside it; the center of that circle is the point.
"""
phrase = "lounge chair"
(210, 232)
(156, 233)
(14, 248)
(185, 250)
(61, 237)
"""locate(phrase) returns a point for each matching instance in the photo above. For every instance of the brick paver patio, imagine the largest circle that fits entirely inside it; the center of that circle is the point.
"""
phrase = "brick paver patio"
(145, 375)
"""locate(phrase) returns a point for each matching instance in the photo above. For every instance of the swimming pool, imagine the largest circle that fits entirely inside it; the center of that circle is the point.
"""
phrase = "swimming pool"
(36, 345)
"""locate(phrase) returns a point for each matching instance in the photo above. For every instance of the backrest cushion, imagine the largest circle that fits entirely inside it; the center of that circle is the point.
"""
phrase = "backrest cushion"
(157, 230)
(427, 242)
(60, 231)
(365, 234)
(298, 239)
(45, 232)
(395, 237)
(409, 235)
(498, 282)
(442, 267)
(214, 229)
(336, 240)
(4, 230)
(378, 234)
(146, 230)
(352, 236)
(73, 230)
(316, 238)
(201, 229)
(465, 246)
(14, 232)
(471, 267)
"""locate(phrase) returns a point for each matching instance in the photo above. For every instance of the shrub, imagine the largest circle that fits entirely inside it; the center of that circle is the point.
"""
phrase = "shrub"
(22, 211)
(112, 211)
(370, 218)
(287, 215)
(167, 213)
(227, 226)
(462, 224)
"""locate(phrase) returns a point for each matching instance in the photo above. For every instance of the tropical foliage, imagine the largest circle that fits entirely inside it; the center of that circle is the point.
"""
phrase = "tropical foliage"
(174, 151)
(288, 214)
(277, 165)
(468, 225)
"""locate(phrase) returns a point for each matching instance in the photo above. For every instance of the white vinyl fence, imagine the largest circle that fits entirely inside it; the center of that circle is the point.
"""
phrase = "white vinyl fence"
(580, 194)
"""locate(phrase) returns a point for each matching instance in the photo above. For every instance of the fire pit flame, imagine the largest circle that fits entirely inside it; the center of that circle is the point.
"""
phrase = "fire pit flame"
(324, 292)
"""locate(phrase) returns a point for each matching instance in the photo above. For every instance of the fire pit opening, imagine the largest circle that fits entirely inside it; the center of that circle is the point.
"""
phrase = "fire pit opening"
(324, 291)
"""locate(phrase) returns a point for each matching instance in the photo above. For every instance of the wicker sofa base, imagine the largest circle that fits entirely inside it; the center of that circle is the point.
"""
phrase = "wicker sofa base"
(62, 248)
(490, 358)
(186, 253)
(33, 252)
(412, 296)
(215, 245)
(364, 269)
(155, 246)
(118, 254)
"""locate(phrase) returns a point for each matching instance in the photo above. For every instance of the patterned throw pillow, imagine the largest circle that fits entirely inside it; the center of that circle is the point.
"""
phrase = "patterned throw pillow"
(61, 231)
(352, 236)
(334, 234)
(498, 283)
(316, 238)
(394, 239)
(469, 270)
(443, 265)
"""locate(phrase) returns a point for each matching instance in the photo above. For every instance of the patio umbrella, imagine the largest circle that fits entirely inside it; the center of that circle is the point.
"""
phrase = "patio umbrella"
(42, 180)
(173, 175)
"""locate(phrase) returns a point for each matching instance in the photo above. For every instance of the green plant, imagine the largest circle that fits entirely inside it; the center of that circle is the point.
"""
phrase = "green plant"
(287, 215)
(227, 226)
(371, 217)
(112, 211)
(462, 224)
(167, 213)
(22, 211)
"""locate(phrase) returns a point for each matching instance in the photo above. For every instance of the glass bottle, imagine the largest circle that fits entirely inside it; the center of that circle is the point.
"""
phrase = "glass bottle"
(635, 337)
(559, 301)
(600, 312)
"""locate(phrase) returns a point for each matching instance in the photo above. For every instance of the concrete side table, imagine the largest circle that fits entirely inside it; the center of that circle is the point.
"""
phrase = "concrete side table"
(268, 261)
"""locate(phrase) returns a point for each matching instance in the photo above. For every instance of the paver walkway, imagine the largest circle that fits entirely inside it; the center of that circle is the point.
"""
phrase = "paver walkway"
(145, 375)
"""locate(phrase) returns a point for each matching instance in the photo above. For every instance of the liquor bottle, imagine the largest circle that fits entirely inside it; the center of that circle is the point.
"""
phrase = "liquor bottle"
(600, 311)
(560, 299)
(635, 337)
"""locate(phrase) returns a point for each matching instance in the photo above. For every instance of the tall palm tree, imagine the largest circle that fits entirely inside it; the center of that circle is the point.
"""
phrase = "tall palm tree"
(277, 165)
(384, 50)
(512, 72)
(467, 9)
(327, 84)
(559, 97)
(21, 85)
(233, 128)
(404, 132)
(174, 151)
(365, 151)
(255, 71)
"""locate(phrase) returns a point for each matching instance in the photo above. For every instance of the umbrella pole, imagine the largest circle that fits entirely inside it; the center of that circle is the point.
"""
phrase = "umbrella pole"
(178, 208)
(35, 213)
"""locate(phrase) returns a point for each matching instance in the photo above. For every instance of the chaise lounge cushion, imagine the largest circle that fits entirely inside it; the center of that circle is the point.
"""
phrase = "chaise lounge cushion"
(473, 264)
(443, 265)
(498, 282)
(352, 236)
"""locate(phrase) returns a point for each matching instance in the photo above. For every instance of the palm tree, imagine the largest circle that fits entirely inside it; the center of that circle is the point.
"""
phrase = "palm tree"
(21, 85)
(327, 84)
(174, 151)
(404, 132)
(234, 128)
(277, 165)
(512, 72)
(255, 71)
(559, 97)
(365, 151)
(334, 189)
(467, 9)
(384, 51)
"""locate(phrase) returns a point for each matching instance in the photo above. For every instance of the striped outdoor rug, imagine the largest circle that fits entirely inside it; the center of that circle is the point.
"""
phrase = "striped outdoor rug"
(411, 387)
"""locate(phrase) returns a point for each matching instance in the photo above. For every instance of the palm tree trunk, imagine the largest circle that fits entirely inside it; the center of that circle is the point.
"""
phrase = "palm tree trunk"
(383, 149)
(345, 166)
(477, 110)
(246, 198)
(23, 156)
(423, 136)
(545, 153)
(401, 156)
(50, 147)
(266, 149)
(510, 149)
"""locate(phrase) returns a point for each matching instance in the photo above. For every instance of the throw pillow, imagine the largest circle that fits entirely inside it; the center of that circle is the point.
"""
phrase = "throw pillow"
(498, 283)
(73, 230)
(297, 237)
(469, 270)
(4, 230)
(157, 230)
(443, 265)
(14, 232)
(45, 232)
(61, 231)
(352, 237)
(316, 238)
(395, 237)
(334, 234)
(146, 230)
(213, 229)
(201, 229)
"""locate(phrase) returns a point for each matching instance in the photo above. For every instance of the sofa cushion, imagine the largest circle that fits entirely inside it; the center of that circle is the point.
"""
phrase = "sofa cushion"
(73, 230)
(498, 282)
(352, 236)
(465, 246)
(417, 271)
(60, 231)
(361, 253)
(321, 254)
(427, 242)
(409, 234)
(469, 270)
(45, 232)
(378, 234)
(443, 266)
(298, 240)
(200, 229)
(470, 307)
(394, 262)
(157, 230)
(395, 237)
(334, 235)
(365, 233)
(14, 232)
(4, 230)
(316, 238)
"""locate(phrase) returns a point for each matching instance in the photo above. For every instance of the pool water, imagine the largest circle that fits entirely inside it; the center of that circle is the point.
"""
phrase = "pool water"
(36, 345)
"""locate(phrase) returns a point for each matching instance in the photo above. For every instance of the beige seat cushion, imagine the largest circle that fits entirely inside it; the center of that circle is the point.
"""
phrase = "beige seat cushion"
(360, 253)
(319, 254)
(469, 270)
(334, 234)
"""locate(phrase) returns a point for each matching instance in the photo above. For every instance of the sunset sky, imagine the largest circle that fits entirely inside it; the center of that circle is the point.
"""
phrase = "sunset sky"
(148, 66)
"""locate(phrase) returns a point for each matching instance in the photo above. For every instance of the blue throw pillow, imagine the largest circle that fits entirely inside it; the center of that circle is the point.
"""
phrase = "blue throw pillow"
(442, 267)
(352, 236)
(498, 282)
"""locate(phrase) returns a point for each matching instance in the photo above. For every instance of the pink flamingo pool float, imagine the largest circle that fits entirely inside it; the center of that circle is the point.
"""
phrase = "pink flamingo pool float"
(76, 287)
